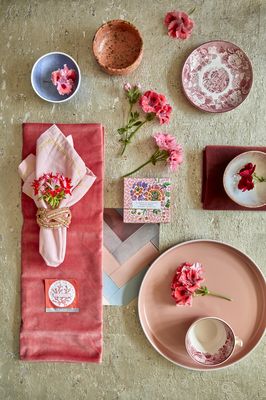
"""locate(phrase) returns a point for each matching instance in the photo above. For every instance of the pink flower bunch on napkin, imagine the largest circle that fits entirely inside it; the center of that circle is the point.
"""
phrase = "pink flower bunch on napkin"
(55, 152)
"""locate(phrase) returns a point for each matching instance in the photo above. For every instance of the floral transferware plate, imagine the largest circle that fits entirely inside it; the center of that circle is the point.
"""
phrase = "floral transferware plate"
(249, 198)
(217, 76)
(226, 270)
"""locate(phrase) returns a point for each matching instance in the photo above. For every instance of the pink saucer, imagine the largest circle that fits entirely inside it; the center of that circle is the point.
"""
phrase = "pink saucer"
(227, 271)
(217, 76)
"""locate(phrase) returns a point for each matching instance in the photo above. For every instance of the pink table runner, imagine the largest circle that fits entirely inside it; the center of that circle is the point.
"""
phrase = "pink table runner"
(70, 337)
(215, 160)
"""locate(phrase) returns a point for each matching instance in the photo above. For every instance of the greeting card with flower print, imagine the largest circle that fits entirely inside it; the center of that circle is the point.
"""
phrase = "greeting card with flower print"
(147, 200)
(61, 295)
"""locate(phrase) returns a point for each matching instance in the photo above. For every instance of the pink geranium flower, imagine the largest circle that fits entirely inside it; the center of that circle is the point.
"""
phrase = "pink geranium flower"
(186, 284)
(64, 79)
(150, 101)
(163, 113)
(179, 24)
(64, 86)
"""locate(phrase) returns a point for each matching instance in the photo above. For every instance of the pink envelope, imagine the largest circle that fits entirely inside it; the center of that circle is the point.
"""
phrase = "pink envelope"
(55, 153)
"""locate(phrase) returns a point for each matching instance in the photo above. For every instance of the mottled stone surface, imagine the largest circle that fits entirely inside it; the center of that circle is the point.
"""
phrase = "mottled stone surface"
(131, 369)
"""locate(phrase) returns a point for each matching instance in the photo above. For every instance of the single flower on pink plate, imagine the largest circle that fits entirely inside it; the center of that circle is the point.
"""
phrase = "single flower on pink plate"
(179, 24)
(186, 284)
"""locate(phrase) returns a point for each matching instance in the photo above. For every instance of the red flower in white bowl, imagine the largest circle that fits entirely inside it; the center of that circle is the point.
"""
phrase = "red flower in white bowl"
(248, 177)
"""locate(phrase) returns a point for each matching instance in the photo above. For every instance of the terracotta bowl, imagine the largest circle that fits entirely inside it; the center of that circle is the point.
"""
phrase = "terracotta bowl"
(118, 47)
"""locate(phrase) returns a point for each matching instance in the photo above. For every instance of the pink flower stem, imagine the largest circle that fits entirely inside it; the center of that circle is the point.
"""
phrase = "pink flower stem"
(158, 155)
(128, 138)
(137, 169)
(204, 291)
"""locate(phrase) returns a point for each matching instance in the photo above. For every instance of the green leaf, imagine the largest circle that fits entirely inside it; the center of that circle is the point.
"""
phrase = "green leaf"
(166, 184)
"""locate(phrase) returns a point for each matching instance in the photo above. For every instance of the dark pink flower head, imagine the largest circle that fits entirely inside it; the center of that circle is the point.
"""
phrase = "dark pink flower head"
(150, 100)
(246, 183)
(247, 170)
(163, 113)
(179, 24)
(186, 281)
(182, 296)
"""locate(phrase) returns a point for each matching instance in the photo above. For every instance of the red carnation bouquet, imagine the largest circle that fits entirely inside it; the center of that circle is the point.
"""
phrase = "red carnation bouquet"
(52, 188)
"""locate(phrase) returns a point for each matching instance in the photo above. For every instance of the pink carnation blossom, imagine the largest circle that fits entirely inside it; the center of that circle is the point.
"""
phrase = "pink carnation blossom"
(175, 158)
(179, 24)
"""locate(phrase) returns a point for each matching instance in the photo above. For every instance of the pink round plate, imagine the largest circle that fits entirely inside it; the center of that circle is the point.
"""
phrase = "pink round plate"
(226, 271)
(217, 76)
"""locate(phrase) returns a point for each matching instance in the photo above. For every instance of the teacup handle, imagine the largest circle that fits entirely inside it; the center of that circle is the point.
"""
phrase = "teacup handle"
(238, 341)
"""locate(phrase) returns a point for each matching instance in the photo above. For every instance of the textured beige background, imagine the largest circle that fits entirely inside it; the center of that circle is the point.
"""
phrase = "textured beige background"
(131, 369)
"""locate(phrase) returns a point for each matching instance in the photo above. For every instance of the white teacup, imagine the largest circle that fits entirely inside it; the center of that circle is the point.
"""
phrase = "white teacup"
(211, 341)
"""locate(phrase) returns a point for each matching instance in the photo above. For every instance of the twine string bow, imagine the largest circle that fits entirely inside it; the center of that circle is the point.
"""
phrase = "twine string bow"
(54, 219)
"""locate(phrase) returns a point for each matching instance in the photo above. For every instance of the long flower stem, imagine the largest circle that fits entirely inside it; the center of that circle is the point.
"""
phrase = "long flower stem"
(128, 138)
(133, 133)
(204, 291)
(137, 169)
(219, 295)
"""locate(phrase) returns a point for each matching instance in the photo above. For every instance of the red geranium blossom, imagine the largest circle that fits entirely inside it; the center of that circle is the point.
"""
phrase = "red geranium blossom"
(52, 188)
(156, 103)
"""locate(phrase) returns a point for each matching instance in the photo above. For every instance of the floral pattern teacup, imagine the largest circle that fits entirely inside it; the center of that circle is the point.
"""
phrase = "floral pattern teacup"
(211, 341)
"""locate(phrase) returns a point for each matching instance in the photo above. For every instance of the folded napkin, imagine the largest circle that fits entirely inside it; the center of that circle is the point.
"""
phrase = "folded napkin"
(55, 153)
(215, 160)
(73, 337)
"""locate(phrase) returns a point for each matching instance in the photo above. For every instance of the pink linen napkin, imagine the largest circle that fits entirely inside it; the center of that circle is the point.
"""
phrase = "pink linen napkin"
(65, 337)
(55, 153)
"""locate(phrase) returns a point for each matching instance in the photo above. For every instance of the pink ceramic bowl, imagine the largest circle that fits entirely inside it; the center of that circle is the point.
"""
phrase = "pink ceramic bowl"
(118, 47)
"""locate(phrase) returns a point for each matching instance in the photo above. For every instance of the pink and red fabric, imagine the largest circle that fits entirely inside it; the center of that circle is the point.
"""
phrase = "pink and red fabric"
(68, 337)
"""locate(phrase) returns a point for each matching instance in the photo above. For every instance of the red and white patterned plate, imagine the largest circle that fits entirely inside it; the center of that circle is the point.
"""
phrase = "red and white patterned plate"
(217, 76)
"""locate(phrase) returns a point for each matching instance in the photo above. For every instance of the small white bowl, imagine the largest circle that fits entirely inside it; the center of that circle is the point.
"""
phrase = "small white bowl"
(253, 198)
(41, 76)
